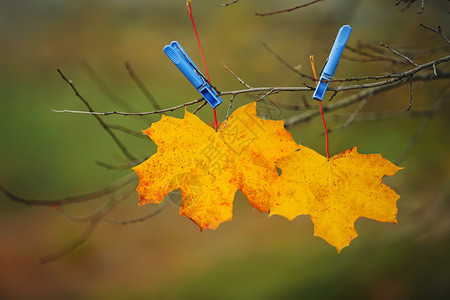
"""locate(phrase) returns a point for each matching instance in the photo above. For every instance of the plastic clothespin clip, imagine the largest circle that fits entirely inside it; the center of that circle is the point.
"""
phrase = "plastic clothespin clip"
(180, 58)
(329, 69)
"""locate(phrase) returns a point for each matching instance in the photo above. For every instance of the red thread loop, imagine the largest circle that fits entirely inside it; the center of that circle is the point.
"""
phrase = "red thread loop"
(188, 2)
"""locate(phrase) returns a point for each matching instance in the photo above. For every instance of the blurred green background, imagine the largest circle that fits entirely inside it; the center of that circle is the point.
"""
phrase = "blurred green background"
(45, 155)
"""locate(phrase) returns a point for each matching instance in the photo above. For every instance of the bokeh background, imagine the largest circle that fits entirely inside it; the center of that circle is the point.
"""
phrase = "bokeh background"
(46, 155)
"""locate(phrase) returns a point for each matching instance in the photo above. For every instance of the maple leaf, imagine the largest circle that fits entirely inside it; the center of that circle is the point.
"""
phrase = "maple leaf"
(335, 193)
(210, 166)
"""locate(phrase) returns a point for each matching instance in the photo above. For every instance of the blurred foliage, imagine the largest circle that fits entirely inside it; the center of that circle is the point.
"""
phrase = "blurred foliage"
(48, 155)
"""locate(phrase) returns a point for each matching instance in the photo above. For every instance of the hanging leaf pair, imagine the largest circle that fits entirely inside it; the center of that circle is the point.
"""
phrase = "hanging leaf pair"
(209, 167)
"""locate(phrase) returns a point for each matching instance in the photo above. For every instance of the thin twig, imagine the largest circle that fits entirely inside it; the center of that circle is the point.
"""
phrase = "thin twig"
(279, 58)
(104, 87)
(410, 93)
(107, 91)
(234, 74)
(154, 213)
(305, 106)
(90, 216)
(422, 7)
(291, 121)
(434, 70)
(408, 4)
(93, 222)
(374, 57)
(268, 88)
(399, 54)
(270, 92)
(349, 119)
(228, 3)
(382, 115)
(400, 75)
(127, 131)
(199, 107)
(421, 129)
(103, 124)
(72, 245)
(142, 87)
(363, 60)
(117, 167)
(438, 31)
(132, 114)
(355, 113)
(228, 112)
(419, 133)
(376, 77)
(333, 95)
(286, 10)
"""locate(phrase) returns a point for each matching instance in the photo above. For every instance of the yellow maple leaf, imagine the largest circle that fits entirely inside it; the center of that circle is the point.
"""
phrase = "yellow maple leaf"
(335, 193)
(210, 166)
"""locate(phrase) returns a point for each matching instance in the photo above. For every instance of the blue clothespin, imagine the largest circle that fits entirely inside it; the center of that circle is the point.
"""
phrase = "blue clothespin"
(180, 58)
(329, 69)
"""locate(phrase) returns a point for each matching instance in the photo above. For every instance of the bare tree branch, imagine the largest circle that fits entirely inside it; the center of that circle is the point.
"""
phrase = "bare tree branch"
(286, 10)
(132, 114)
(228, 112)
(154, 213)
(93, 220)
(72, 245)
(127, 131)
(370, 56)
(386, 115)
(353, 116)
(305, 105)
(289, 122)
(431, 64)
(422, 7)
(104, 87)
(438, 31)
(410, 93)
(279, 58)
(103, 124)
(228, 3)
(124, 166)
(392, 80)
(236, 76)
(70, 200)
(409, 3)
(399, 54)
(142, 87)
(200, 107)
(421, 129)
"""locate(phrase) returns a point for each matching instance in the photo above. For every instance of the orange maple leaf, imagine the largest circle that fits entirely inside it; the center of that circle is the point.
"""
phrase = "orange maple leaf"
(210, 166)
(335, 193)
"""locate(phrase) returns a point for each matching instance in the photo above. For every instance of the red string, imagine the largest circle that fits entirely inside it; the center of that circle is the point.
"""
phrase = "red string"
(215, 120)
(311, 58)
(326, 130)
(188, 2)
